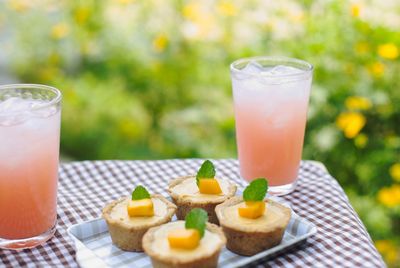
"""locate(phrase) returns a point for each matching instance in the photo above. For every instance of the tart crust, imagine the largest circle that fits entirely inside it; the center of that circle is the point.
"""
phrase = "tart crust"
(249, 240)
(126, 236)
(206, 261)
(185, 205)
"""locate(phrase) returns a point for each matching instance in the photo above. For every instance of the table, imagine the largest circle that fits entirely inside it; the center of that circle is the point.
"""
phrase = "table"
(85, 187)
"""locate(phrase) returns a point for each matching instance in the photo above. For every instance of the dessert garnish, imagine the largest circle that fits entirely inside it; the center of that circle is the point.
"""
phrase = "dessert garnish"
(205, 179)
(253, 195)
(189, 238)
(141, 204)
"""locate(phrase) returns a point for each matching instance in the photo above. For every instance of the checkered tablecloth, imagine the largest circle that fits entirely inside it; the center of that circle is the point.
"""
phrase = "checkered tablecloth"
(85, 187)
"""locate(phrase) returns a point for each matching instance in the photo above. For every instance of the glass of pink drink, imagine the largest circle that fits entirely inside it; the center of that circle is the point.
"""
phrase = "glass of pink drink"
(29, 153)
(270, 100)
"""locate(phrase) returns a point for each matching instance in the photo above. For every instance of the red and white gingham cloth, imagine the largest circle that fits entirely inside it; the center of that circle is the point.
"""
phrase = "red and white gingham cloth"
(85, 187)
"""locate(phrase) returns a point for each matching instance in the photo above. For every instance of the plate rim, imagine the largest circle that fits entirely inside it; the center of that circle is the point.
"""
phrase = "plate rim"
(311, 232)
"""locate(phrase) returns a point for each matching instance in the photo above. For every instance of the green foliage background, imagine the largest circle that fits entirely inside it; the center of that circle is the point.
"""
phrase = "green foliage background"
(150, 80)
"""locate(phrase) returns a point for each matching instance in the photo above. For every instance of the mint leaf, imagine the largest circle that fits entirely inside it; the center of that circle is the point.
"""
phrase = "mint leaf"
(256, 190)
(140, 193)
(196, 219)
(206, 170)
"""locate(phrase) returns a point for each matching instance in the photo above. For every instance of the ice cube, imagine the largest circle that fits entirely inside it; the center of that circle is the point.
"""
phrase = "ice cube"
(16, 110)
(10, 119)
(44, 112)
(14, 105)
(281, 70)
(253, 67)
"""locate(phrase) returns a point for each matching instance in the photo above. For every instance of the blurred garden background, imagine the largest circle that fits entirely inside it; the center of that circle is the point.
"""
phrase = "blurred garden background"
(150, 80)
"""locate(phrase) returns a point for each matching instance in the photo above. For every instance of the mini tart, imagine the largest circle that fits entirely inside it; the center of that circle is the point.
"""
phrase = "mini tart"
(185, 194)
(127, 232)
(251, 236)
(155, 244)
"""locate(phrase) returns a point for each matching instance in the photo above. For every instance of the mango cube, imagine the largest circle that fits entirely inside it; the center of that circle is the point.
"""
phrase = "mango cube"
(209, 186)
(140, 208)
(184, 238)
(252, 209)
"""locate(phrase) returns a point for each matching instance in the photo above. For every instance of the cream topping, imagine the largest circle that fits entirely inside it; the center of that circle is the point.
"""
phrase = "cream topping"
(273, 216)
(209, 243)
(119, 212)
(189, 189)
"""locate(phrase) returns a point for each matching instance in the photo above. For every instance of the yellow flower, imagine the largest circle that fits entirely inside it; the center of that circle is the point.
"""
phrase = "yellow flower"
(362, 47)
(358, 103)
(388, 250)
(296, 16)
(395, 172)
(202, 23)
(361, 140)
(383, 246)
(48, 73)
(82, 14)
(351, 123)
(70, 95)
(128, 129)
(54, 58)
(390, 196)
(349, 68)
(59, 31)
(376, 69)
(388, 51)
(159, 43)
(392, 257)
(18, 5)
(205, 26)
(355, 10)
(191, 11)
(227, 8)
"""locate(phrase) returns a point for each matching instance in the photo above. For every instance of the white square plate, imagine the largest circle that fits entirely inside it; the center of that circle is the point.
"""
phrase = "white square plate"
(95, 249)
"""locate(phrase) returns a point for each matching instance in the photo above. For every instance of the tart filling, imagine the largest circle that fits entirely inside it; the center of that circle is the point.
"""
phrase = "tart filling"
(250, 223)
(187, 189)
(120, 213)
(209, 244)
(275, 215)
(127, 224)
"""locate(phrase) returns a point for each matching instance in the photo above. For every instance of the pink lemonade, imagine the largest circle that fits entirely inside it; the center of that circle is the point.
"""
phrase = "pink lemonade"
(29, 153)
(270, 114)
(267, 149)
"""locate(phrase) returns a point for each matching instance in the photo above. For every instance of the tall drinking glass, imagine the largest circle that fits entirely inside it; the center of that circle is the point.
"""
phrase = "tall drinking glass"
(270, 100)
(29, 153)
